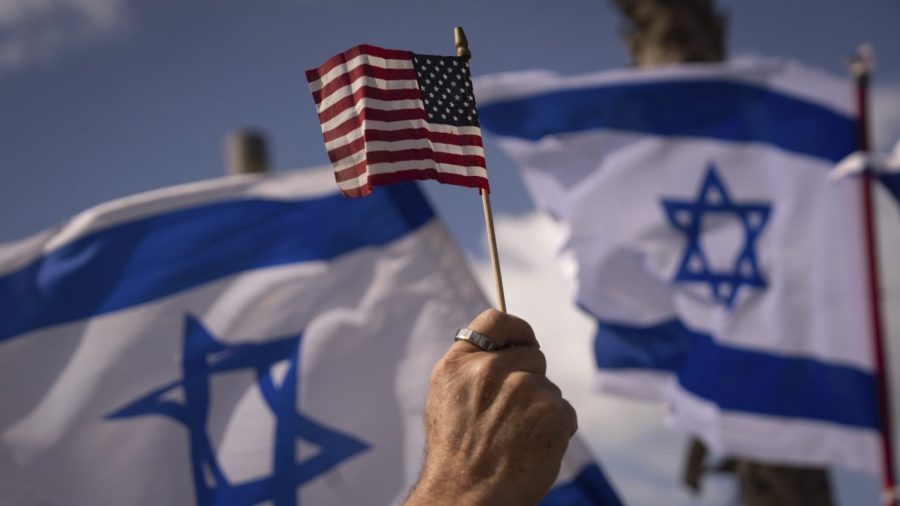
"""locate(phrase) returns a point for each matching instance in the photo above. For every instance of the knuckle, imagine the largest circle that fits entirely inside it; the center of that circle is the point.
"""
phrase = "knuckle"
(550, 406)
(518, 381)
(436, 381)
(550, 400)
(492, 317)
(443, 369)
(488, 322)
(553, 387)
(556, 420)
(521, 384)
(521, 327)
(485, 365)
(478, 372)
(566, 417)
(439, 368)
(573, 416)
(541, 359)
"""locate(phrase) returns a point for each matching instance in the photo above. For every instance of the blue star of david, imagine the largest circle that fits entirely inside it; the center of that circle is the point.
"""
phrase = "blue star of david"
(687, 217)
(204, 357)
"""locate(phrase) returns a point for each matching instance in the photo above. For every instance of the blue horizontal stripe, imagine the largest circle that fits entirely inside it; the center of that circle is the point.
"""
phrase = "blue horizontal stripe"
(740, 379)
(714, 109)
(589, 488)
(150, 258)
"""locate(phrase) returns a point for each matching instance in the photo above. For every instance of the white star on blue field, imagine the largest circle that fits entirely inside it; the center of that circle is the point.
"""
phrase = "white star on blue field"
(687, 216)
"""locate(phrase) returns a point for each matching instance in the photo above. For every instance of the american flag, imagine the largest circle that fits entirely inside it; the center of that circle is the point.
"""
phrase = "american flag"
(390, 116)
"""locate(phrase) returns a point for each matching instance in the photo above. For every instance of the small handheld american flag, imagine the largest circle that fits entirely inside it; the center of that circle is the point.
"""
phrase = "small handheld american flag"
(389, 116)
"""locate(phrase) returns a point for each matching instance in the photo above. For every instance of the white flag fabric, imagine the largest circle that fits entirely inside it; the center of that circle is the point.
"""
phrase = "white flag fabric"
(724, 269)
(884, 167)
(234, 342)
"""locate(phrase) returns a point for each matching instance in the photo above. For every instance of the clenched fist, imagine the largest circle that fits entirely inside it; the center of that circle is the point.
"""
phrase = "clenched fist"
(496, 428)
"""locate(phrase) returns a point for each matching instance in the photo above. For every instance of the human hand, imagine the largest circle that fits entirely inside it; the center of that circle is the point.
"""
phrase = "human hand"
(496, 428)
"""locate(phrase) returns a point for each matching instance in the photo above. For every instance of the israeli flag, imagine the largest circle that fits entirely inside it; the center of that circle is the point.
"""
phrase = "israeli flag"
(234, 342)
(724, 269)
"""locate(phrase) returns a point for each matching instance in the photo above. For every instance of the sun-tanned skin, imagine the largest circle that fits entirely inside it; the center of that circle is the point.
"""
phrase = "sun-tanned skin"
(496, 428)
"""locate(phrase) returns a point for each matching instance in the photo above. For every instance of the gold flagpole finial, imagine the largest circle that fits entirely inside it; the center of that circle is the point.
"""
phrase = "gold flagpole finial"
(461, 42)
(861, 64)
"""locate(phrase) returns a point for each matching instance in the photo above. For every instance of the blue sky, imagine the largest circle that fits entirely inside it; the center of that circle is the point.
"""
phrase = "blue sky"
(104, 98)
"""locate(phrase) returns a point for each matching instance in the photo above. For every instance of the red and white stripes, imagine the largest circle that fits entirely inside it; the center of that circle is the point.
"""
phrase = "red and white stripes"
(375, 128)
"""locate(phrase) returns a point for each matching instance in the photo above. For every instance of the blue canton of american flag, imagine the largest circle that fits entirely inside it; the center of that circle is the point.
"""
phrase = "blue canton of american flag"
(389, 116)
(446, 89)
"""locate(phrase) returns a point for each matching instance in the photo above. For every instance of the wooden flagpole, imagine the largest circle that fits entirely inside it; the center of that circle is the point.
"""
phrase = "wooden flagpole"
(462, 50)
(492, 243)
(861, 69)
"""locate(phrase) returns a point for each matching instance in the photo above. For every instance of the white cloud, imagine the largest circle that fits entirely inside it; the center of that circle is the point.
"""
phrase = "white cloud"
(35, 31)
(642, 457)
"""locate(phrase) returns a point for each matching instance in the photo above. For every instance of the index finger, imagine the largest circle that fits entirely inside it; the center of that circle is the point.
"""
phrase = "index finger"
(504, 329)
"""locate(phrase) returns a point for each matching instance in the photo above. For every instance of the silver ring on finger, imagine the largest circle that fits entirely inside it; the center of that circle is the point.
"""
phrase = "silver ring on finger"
(478, 339)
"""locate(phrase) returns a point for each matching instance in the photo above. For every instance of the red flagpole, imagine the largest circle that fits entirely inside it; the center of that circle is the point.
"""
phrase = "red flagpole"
(861, 69)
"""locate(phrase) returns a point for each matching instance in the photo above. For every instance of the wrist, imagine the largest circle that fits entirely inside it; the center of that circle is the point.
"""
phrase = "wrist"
(440, 489)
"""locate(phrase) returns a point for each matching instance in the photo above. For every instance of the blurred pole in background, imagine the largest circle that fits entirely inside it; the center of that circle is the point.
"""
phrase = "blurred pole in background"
(861, 70)
(661, 32)
(246, 152)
